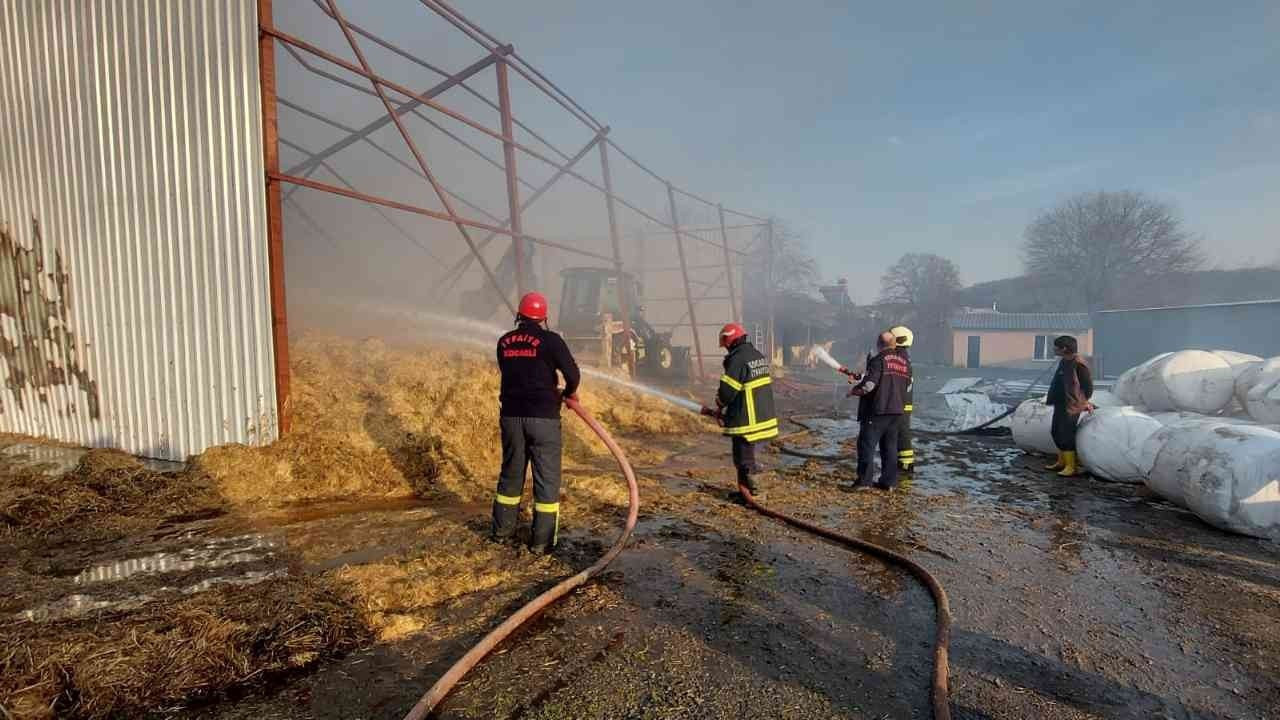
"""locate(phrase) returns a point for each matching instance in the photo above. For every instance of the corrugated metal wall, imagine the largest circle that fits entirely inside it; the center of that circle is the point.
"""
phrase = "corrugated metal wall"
(1125, 338)
(134, 298)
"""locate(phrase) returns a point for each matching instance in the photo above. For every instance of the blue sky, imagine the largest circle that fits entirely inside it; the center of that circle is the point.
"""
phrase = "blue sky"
(883, 128)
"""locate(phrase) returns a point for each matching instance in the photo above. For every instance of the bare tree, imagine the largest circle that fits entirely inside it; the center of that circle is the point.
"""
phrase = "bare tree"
(921, 280)
(1101, 242)
(922, 286)
(794, 269)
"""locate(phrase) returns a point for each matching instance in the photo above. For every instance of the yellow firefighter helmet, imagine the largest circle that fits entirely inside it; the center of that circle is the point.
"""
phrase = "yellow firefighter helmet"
(903, 335)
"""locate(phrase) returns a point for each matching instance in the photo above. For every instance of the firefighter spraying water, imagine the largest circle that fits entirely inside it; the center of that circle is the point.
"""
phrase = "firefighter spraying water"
(529, 358)
(744, 403)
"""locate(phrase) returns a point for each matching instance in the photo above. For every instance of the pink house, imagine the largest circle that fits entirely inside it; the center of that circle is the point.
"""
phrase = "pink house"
(986, 338)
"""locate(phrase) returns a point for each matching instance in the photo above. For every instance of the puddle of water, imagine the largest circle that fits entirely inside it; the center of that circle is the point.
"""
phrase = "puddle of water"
(50, 460)
(313, 511)
(77, 604)
(214, 553)
(56, 461)
(68, 606)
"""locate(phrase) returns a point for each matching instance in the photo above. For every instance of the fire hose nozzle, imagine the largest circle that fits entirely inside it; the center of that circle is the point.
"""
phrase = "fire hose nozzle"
(709, 412)
(852, 375)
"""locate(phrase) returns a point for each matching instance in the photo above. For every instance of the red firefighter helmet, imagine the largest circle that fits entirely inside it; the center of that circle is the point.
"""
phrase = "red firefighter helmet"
(533, 306)
(730, 334)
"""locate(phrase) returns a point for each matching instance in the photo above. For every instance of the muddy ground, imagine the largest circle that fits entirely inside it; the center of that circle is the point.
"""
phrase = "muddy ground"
(1071, 598)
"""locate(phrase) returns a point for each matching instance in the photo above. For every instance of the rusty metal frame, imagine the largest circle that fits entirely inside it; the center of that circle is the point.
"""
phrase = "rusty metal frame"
(462, 265)
(509, 169)
(728, 267)
(275, 219)
(381, 82)
(400, 103)
(684, 272)
(624, 288)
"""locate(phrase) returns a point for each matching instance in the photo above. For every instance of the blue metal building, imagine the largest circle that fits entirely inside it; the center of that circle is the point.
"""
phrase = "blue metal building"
(1124, 338)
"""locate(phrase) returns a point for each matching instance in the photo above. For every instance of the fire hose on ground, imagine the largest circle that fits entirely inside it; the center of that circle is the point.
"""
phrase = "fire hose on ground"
(441, 688)
(940, 692)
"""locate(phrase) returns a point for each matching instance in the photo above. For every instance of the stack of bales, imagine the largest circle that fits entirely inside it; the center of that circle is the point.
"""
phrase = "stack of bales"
(1167, 423)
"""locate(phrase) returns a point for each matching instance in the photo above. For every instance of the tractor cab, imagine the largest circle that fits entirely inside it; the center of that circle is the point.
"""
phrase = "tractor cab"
(590, 319)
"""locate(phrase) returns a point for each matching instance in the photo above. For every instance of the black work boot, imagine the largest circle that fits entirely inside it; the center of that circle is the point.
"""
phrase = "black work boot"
(505, 517)
(748, 481)
(546, 528)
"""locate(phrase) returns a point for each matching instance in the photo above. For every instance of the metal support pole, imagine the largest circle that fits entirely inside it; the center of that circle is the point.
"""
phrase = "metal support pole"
(640, 259)
(684, 273)
(509, 167)
(464, 264)
(624, 287)
(769, 293)
(417, 155)
(275, 217)
(734, 315)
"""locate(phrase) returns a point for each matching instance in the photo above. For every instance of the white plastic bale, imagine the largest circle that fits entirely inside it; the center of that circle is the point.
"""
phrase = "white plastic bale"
(1240, 363)
(1126, 387)
(1234, 358)
(1192, 380)
(1263, 400)
(1165, 453)
(1107, 398)
(1110, 442)
(1231, 479)
(1246, 377)
(1174, 417)
(1032, 426)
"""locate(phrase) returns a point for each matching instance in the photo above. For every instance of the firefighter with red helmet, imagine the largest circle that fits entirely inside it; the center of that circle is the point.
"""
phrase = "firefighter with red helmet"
(744, 402)
(529, 358)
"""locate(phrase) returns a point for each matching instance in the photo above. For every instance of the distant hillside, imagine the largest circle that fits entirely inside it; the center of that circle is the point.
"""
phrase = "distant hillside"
(1028, 294)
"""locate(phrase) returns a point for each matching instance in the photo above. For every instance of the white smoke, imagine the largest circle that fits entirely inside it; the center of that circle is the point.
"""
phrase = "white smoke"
(482, 334)
(822, 354)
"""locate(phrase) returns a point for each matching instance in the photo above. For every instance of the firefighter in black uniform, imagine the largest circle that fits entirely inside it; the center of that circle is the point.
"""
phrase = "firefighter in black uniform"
(529, 357)
(903, 337)
(744, 402)
(883, 393)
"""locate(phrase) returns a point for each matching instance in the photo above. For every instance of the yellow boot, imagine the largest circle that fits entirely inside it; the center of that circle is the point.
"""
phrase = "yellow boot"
(1071, 467)
(1058, 465)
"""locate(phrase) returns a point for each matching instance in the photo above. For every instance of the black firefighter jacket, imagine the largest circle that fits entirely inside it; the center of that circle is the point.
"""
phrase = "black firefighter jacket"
(888, 383)
(746, 395)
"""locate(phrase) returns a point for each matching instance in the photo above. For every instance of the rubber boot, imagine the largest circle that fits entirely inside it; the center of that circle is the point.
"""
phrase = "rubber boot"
(546, 528)
(747, 481)
(505, 517)
(906, 460)
(1070, 465)
(1058, 464)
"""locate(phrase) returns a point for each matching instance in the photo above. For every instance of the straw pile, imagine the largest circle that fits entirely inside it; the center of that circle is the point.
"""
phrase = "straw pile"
(428, 590)
(169, 654)
(108, 494)
(375, 420)
(369, 420)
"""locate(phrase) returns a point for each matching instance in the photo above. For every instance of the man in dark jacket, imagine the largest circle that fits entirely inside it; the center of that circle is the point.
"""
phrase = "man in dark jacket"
(529, 357)
(1069, 395)
(744, 402)
(883, 393)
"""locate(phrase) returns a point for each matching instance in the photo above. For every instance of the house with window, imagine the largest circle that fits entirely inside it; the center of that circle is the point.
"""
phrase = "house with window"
(986, 338)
